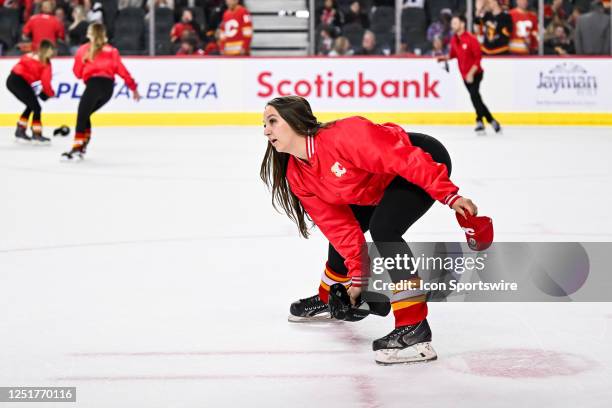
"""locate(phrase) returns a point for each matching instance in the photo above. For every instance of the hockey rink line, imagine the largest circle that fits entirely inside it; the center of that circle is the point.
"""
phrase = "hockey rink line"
(144, 241)
(208, 353)
(363, 384)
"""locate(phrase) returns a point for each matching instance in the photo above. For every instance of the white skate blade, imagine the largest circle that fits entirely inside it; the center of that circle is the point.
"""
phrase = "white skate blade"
(420, 352)
(480, 132)
(323, 317)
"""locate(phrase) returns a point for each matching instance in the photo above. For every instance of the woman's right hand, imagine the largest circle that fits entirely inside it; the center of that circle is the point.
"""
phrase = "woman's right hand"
(465, 204)
(136, 95)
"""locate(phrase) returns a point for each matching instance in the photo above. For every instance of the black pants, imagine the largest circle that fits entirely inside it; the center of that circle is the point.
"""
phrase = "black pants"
(474, 89)
(24, 92)
(402, 204)
(98, 91)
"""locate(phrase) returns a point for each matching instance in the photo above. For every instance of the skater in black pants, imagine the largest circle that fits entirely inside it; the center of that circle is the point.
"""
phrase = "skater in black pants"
(96, 63)
(466, 48)
(32, 67)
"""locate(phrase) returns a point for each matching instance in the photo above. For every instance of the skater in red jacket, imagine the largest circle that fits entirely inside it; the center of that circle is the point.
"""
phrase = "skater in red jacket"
(350, 176)
(32, 67)
(96, 63)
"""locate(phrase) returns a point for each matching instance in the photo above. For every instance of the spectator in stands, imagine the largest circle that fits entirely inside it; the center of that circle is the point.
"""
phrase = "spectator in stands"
(554, 9)
(95, 13)
(189, 46)
(330, 15)
(60, 14)
(357, 16)
(561, 44)
(549, 33)
(524, 39)
(212, 43)
(592, 35)
(368, 45)
(441, 28)
(77, 31)
(236, 30)
(342, 48)
(44, 26)
(186, 24)
(495, 27)
(438, 48)
(325, 41)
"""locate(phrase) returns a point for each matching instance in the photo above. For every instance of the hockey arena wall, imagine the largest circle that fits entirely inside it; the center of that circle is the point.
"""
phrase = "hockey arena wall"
(233, 91)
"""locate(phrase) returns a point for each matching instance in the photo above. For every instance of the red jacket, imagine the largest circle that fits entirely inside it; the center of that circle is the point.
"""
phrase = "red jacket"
(352, 162)
(107, 64)
(32, 70)
(43, 27)
(466, 49)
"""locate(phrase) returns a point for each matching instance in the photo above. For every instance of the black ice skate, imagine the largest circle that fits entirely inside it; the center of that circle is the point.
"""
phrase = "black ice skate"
(75, 153)
(405, 344)
(40, 139)
(496, 126)
(21, 136)
(311, 309)
(480, 128)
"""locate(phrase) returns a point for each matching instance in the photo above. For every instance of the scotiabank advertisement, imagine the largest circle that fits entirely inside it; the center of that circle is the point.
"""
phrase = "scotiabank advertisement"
(210, 85)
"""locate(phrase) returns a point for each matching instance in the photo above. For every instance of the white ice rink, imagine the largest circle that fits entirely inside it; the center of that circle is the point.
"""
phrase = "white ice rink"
(156, 274)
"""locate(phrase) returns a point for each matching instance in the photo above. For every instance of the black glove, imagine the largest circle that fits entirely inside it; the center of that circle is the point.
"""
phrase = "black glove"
(43, 96)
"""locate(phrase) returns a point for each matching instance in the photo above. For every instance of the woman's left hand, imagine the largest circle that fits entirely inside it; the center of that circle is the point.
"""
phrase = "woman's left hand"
(465, 204)
(354, 292)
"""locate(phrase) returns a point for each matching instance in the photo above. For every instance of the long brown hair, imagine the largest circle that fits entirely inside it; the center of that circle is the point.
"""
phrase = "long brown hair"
(46, 49)
(96, 32)
(296, 111)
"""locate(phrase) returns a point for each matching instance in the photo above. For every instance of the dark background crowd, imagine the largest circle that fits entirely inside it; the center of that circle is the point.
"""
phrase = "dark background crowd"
(343, 27)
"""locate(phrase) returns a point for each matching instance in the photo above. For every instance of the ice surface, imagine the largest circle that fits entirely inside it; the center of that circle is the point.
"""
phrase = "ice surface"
(156, 274)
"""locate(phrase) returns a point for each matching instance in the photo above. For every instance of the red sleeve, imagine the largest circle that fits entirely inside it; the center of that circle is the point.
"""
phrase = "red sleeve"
(77, 68)
(386, 149)
(27, 28)
(247, 30)
(174, 33)
(45, 80)
(476, 51)
(122, 71)
(338, 224)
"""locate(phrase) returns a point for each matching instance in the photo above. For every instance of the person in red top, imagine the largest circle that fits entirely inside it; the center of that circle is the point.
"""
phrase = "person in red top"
(31, 68)
(96, 63)
(186, 24)
(236, 30)
(524, 38)
(44, 26)
(466, 48)
(350, 176)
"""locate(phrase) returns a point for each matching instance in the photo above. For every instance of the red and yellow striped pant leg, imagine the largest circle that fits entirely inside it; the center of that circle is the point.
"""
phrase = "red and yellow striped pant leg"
(23, 122)
(36, 127)
(409, 306)
(328, 278)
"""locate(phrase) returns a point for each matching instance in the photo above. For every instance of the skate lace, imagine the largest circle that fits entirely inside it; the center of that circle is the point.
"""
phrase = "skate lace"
(313, 303)
(398, 332)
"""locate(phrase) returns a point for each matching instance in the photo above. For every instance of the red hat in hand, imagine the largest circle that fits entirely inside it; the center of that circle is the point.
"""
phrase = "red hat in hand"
(478, 230)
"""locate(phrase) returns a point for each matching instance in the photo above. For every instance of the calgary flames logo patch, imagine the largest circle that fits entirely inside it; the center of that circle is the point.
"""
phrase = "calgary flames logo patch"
(338, 169)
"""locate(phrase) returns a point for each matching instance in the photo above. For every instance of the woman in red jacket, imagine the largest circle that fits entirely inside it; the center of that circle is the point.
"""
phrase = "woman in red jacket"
(351, 176)
(31, 68)
(96, 63)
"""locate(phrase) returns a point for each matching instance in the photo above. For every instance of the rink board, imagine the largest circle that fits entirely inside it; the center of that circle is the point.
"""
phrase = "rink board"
(221, 91)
